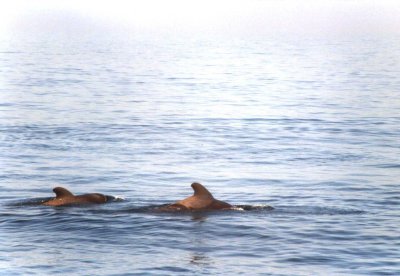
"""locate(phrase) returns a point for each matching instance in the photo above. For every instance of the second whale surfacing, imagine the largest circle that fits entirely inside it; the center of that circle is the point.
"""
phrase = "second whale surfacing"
(201, 200)
(65, 197)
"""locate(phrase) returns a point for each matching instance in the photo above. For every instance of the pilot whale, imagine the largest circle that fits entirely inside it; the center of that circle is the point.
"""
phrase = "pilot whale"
(201, 200)
(65, 197)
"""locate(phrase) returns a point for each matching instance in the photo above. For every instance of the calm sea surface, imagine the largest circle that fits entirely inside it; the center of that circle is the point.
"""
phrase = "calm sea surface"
(308, 126)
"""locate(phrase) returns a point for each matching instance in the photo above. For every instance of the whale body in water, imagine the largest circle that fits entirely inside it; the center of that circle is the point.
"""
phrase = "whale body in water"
(201, 200)
(65, 197)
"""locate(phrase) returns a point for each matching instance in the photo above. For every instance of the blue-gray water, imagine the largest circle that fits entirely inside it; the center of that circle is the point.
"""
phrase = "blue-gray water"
(308, 126)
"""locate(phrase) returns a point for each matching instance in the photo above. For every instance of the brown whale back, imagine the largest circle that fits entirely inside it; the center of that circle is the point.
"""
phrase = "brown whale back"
(201, 191)
(93, 198)
(65, 197)
(62, 192)
(202, 199)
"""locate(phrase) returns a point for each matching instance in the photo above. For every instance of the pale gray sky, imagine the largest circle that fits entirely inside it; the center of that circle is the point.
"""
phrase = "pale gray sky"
(224, 16)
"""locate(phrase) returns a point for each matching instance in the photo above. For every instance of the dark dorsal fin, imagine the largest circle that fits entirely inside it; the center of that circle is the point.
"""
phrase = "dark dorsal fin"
(62, 192)
(200, 190)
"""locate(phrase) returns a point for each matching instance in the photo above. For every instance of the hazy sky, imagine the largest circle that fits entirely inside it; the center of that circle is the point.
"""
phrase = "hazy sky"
(219, 16)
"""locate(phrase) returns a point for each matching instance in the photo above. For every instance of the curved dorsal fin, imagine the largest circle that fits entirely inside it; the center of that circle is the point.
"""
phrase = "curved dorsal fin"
(61, 192)
(200, 190)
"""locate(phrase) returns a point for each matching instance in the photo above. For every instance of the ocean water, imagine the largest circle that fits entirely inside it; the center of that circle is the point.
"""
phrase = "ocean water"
(308, 126)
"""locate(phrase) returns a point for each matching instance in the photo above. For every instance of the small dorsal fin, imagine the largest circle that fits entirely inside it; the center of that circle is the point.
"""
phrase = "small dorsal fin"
(200, 190)
(61, 192)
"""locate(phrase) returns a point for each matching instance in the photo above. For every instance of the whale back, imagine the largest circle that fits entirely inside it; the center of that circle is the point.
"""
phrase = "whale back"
(201, 191)
(91, 198)
(202, 199)
(65, 197)
(62, 192)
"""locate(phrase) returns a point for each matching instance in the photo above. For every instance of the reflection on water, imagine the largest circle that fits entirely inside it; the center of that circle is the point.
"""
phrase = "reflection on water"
(199, 217)
(200, 260)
